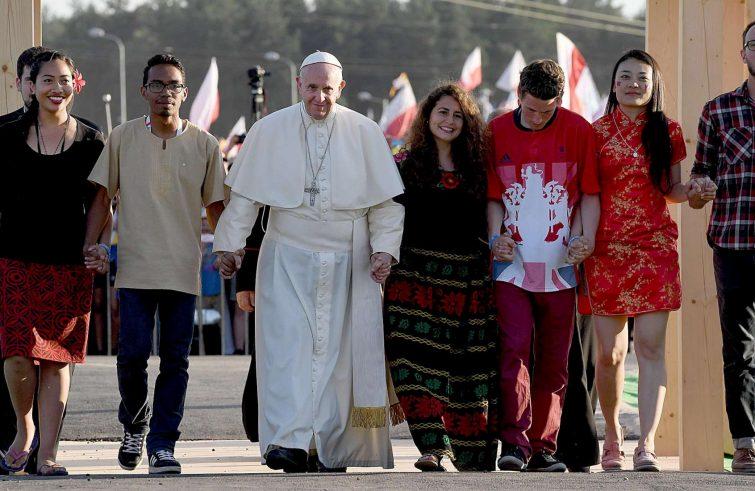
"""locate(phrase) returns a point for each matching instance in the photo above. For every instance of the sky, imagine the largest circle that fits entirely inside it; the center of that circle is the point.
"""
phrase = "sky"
(63, 7)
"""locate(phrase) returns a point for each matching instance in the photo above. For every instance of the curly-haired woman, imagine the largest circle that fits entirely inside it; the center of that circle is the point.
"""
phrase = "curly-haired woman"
(439, 322)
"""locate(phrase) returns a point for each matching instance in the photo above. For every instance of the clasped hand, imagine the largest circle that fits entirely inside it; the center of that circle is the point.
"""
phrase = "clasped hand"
(380, 266)
(701, 188)
(580, 248)
(96, 258)
(503, 248)
(229, 262)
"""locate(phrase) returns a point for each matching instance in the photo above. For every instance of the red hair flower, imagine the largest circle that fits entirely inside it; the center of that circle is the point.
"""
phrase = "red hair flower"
(78, 82)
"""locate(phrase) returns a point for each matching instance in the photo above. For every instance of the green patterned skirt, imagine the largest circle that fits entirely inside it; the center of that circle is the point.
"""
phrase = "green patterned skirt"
(441, 339)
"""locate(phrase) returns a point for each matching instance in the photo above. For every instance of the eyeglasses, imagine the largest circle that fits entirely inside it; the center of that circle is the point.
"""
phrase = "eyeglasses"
(156, 87)
(750, 45)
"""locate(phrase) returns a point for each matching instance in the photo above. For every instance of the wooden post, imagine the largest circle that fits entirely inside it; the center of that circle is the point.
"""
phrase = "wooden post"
(708, 44)
(20, 28)
(662, 42)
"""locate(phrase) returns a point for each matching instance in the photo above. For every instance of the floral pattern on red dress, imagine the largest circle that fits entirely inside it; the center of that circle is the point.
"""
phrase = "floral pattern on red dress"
(634, 268)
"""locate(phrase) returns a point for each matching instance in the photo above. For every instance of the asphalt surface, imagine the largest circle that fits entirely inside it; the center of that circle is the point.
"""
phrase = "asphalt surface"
(498, 480)
(226, 460)
(213, 400)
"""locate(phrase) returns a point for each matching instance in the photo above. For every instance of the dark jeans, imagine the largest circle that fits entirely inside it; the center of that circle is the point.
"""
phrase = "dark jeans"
(735, 283)
(176, 314)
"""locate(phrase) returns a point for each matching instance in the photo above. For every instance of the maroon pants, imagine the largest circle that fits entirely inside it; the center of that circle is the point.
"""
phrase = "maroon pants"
(530, 410)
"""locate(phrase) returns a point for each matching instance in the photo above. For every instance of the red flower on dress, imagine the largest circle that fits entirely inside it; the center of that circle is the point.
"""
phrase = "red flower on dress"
(78, 81)
(448, 180)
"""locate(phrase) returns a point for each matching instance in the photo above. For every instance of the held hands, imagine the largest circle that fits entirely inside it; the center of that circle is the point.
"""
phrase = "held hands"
(503, 248)
(580, 248)
(380, 266)
(701, 189)
(229, 262)
(245, 300)
(96, 258)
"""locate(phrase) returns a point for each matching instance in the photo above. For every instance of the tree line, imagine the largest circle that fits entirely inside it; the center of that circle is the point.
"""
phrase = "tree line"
(374, 39)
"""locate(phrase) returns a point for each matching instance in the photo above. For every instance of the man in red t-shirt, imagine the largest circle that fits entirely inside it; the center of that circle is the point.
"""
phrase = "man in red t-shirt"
(543, 210)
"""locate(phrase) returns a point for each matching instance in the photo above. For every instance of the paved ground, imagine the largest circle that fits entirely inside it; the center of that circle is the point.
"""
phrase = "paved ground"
(215, 454)
(236, 464)
(213, 400)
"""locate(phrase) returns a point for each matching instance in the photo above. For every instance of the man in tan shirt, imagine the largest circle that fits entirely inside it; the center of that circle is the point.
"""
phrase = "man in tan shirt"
(165, 170)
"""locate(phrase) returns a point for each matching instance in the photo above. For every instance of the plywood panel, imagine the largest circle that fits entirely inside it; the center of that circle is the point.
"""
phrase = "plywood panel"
(707, 43)
(18, 27)
(662, 42)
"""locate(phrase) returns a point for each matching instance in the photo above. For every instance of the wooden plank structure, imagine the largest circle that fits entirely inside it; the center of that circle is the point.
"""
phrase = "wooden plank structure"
(697, 43)
(20, 28)
(662, 30)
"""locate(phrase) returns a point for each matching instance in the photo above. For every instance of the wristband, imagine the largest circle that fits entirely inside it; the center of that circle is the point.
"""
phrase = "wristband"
(492, 240)
(572, 239)
(105, 248)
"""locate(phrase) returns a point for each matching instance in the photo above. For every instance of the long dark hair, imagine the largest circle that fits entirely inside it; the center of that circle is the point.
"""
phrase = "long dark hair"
(30, 116)
(655, 136)
(468, 150)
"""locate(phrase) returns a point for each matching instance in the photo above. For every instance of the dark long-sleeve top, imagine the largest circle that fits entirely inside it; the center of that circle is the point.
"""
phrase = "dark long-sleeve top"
(442, 219)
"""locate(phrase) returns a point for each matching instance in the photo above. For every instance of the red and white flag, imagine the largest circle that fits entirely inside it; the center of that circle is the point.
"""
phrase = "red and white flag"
(206, 106)
(580, 93)
(238, 129)
(471, 73)
(399, 114)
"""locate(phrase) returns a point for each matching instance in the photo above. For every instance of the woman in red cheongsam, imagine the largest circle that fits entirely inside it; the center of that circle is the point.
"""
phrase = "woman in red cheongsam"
(634, 270)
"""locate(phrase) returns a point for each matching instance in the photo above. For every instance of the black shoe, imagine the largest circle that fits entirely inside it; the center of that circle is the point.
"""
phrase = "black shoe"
(132, 448)
(579, 469)
(321, 468)
(544, 462)
(314, 465)
(288, 459)
(163, 462)
(512, 459)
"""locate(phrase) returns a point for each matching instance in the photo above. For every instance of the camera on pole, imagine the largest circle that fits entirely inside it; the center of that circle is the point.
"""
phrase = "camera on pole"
(257, 83)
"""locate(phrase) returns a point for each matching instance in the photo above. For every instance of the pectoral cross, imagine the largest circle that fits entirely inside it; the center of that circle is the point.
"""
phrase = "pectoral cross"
(313, 191)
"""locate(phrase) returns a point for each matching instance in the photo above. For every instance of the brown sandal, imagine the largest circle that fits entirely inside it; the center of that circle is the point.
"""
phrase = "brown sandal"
(52, 469)
(429, 463)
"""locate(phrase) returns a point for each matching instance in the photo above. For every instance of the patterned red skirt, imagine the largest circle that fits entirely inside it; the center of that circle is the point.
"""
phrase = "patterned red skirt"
(44, 310)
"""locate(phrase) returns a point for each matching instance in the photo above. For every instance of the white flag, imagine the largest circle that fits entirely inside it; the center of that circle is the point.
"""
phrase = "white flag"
(206, 106)
(509, 79)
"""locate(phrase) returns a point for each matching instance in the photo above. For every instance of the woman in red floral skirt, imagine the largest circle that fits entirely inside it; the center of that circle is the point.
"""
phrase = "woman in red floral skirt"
(634, 269)
(45, 287)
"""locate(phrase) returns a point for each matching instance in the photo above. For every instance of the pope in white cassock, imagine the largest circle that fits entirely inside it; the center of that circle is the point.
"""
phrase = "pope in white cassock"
(333, 233)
